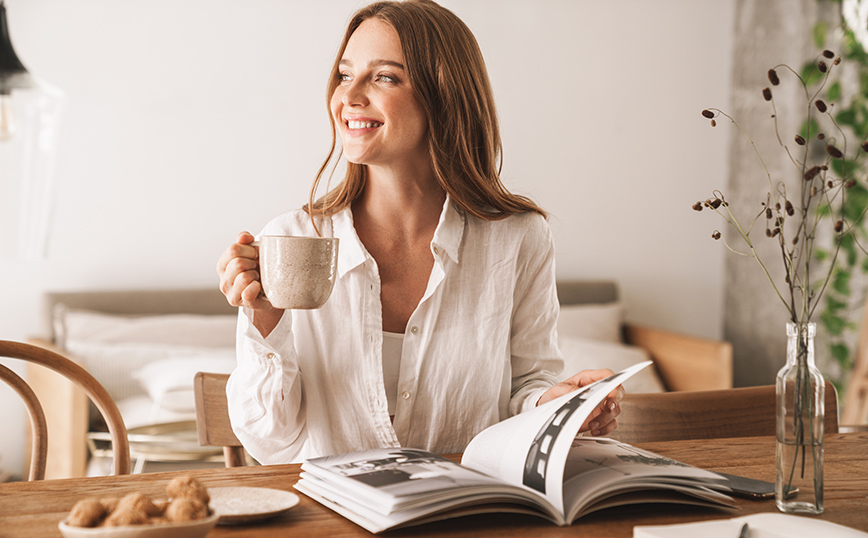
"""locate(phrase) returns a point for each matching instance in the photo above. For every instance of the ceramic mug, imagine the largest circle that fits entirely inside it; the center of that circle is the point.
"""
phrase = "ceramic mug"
(297, 272)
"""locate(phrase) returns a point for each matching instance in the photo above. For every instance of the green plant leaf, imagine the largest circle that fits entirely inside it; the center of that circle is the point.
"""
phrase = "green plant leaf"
(821, 29)
(841, 282)
(810, 74)
(834, 324)
(822, 255)
(834, 92)
(840, 353)
(810, 129)
(865, 265)
(834, 305)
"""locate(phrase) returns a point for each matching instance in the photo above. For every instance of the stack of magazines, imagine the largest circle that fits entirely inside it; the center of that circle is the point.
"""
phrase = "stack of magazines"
(532, 463)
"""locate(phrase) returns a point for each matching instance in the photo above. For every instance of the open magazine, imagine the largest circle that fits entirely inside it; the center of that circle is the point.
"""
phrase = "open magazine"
(531, 463)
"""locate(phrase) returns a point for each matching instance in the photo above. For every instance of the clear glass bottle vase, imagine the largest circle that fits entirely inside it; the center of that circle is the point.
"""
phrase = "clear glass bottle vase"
(800, 416)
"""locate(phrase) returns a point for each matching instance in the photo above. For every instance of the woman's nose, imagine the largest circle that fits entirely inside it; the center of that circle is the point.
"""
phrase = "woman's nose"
(355, 94)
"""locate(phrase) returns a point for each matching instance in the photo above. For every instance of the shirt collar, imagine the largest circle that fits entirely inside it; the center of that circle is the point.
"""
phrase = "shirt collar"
(351, 252)
(450, 229)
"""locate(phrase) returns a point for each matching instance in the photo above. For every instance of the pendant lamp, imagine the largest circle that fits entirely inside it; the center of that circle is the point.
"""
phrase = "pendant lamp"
(29, 120)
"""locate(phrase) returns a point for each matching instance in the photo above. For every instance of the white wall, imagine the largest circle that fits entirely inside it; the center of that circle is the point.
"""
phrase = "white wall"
(190, 120)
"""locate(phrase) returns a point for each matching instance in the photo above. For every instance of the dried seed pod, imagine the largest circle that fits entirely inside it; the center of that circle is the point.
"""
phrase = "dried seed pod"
(812, 173)
(834, 152)
(837, 60)
(850, 184)
(773, 77)
(714, 203)
(865, 146)
(821, 136)
(708, 114)
(828, 53)
(830, 184)
(769, 213)
(767, 94)
(768, 233)
(801, 141)
(715, 235)
(713, 123)
(789, 208)
(822, 66)
(697, 206)
(821, 106)
(839, 226)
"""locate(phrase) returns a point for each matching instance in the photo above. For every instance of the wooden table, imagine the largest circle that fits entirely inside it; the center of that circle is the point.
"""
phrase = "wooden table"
(33, 509)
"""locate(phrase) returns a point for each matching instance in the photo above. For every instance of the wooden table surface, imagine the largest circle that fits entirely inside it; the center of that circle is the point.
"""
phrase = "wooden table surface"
(33, 509)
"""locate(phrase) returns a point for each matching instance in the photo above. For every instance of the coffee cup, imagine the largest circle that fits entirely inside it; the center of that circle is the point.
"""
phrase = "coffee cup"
(297, 272)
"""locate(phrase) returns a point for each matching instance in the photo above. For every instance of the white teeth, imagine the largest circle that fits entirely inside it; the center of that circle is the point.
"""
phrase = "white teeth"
(363, 124)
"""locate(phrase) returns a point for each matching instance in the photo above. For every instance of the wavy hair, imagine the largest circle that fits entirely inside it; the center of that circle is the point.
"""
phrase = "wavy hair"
(447, 72)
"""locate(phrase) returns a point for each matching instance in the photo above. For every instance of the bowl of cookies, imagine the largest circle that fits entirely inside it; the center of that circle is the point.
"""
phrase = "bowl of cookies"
(184, 513)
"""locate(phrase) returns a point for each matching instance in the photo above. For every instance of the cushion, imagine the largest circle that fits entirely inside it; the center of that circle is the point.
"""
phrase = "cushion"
(113, 347)
(586, 354)
(176, 329)
(169, 382)
(600, 322)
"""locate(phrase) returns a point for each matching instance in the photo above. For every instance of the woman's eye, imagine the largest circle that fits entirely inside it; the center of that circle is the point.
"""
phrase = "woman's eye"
(343, 77)
(386, 78)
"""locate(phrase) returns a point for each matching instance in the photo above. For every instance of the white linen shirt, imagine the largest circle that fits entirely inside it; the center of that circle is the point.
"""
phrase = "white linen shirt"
(480, 346)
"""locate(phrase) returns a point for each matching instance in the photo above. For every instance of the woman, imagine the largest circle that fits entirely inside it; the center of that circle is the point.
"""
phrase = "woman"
(442, 320)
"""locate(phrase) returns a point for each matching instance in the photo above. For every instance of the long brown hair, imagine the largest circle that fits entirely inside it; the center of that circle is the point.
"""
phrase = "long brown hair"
(447, 72)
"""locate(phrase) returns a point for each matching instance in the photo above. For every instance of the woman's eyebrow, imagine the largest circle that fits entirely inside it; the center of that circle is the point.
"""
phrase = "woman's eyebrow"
(374, 63)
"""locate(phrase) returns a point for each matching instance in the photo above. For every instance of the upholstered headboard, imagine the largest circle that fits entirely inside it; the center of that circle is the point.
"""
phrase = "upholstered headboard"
(209, 301)
(206, 301)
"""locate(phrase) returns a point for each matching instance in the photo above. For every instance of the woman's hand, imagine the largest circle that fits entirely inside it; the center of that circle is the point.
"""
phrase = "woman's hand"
(603, 419)
(238, 268)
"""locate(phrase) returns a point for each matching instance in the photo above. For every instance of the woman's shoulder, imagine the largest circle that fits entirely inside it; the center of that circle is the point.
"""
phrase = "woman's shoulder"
(527, 224)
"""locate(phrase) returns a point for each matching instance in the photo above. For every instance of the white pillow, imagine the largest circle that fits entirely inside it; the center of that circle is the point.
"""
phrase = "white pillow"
(169, 382)
(113, 364)
(176, 329)
(600, 322)
(584, 354)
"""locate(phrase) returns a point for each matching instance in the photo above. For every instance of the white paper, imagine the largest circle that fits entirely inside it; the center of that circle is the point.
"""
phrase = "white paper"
(767, 525)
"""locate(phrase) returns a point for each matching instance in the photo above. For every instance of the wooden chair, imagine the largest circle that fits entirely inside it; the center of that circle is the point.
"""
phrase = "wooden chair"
(741, 412)
(78, 375)
(855, 411)
(212, 417)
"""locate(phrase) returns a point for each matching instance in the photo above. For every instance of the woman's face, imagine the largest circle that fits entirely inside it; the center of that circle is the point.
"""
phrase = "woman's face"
(380, 121)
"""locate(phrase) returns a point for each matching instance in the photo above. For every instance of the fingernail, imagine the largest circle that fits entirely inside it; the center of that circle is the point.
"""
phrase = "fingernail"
(611, 406)
(593, 426)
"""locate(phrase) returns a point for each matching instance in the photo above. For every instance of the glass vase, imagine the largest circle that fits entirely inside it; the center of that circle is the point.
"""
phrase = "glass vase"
(800, 392)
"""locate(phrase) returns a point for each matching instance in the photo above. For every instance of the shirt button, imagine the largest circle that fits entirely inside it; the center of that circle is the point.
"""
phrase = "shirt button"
(405, 395)
(436, 250)
(271, 356)
(414, 329)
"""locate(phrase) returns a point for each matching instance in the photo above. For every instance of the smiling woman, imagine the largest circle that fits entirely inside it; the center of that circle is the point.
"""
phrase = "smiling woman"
(442, 321)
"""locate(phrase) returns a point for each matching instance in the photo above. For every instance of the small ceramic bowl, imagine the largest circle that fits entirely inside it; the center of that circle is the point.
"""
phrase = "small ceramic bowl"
(188, 529)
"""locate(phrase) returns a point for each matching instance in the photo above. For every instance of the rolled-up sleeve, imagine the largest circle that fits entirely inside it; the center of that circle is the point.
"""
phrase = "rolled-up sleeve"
(265, 393)
(535, 357)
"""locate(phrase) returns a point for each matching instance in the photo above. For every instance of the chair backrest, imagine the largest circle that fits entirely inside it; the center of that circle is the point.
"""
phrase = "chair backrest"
(855, 411)
(75, 373)
(708, 414)
(212, 417)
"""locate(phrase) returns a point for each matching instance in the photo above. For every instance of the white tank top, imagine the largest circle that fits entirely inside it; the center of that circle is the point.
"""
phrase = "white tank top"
(393, 343)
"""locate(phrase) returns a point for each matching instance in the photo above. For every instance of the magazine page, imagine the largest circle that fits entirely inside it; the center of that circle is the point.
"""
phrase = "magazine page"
(388, 487)
(600, 468)
(531, 449)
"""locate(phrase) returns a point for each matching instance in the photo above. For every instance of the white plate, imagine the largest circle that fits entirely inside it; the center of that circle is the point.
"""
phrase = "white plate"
(191, 529)
(245, 505)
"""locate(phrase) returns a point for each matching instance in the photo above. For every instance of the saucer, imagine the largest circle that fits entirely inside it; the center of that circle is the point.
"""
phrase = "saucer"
(237, 505)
